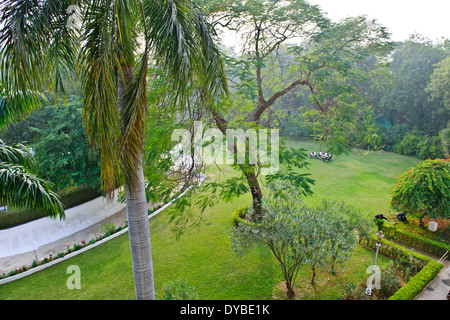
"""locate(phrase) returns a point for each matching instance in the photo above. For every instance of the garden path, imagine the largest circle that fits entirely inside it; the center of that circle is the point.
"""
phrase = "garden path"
(439, 287)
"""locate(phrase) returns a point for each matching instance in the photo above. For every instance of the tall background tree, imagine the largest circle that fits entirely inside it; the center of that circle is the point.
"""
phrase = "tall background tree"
(286, 46)
(407, 100)
(109, 50)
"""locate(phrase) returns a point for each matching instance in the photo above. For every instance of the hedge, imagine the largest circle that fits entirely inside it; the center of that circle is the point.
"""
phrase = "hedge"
(239, 214)
(393, 250)
(420, 280)
(416, 241)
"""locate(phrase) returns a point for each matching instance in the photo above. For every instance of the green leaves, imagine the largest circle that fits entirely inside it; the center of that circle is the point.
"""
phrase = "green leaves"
(423, 190)
(20, 187)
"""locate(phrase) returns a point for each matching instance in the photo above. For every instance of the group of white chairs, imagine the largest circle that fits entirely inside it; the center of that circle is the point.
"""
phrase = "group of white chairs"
(323, 156)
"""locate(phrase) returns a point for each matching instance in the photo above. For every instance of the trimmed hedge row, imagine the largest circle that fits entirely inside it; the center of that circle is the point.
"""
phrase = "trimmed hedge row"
(394, 250)
(416, 241)
(418, 282)
(429, 271)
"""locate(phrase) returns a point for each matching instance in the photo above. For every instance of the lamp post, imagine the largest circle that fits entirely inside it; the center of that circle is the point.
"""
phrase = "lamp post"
(368, 291)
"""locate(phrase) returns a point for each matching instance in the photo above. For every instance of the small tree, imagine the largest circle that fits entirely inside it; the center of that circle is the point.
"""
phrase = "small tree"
(341, 222)
(297, 234)
(283, 227)
(423, 190)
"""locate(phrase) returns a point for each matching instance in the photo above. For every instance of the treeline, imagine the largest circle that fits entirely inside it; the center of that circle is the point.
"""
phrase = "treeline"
(59, 142)
(409, 106)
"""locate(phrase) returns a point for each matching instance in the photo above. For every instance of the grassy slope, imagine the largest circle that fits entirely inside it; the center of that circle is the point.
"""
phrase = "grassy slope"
(203, 255)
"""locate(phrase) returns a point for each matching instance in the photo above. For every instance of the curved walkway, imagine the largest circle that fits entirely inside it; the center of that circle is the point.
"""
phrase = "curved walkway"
(37, 239)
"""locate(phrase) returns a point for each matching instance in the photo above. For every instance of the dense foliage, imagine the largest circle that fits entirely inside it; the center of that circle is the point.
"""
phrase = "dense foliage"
(297, 235)
(58, 137)
(424, 190)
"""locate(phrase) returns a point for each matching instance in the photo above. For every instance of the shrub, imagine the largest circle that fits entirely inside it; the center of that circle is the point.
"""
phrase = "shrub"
(423, 190)
(396, 133)
(390, 283)
(239, 214)
(416, 241)
(179, 290)
(409, 145)
(418, 282)
(430, 148)
(107, 228)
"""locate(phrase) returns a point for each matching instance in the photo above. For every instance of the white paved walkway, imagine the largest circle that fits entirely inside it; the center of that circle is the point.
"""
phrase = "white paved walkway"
(35, 240)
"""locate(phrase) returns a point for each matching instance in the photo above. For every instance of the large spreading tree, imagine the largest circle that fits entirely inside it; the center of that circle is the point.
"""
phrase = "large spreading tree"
(287, 45)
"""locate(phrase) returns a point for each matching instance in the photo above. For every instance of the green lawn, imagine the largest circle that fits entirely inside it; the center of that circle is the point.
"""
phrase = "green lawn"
(362, 178)
(203, 255)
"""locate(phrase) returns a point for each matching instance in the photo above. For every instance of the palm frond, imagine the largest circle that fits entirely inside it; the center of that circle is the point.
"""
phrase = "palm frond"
(17, 154)
(181, 41)
(15, 106)
(20, 188)
(36, 48)
(97, 67)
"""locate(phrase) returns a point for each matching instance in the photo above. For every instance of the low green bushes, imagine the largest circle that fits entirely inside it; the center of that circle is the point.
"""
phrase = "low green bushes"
(430, 267)
(418, 282)
(239, 214)
(423, 147)
(395, 251)
(416, 241)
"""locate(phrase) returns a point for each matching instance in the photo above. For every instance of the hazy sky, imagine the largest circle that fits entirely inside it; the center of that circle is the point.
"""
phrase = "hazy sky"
(430, 18)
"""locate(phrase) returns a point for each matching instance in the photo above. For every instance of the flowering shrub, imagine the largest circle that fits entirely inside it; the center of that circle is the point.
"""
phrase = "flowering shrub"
(424, 190)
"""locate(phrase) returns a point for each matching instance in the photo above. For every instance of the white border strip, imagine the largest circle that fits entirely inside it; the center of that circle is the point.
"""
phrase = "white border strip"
(97, 243)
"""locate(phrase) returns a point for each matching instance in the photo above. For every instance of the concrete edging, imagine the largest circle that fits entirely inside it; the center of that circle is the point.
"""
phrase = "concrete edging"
(91, 246)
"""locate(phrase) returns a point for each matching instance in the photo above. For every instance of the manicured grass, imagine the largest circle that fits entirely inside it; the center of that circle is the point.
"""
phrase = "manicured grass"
(364, 179)
(203, 256)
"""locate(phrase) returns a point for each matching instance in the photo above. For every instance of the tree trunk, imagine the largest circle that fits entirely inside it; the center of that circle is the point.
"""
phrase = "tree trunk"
(289, 291)
(139, 233)
(313, 268)
(333, 270)
(247, 169)
(138, 223)
(255, 189)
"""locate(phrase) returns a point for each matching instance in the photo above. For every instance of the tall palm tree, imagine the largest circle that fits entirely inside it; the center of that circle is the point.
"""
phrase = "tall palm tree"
(110, 53)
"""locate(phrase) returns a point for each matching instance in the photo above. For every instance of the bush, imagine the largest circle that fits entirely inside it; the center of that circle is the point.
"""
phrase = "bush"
(107, 229)
(409, 145)
(396, 133)
(390, 283)
(179, 290)
(418, 282)
(430, 148)
(423, 190)
(416, 241)
(396, 251)
(239, 214)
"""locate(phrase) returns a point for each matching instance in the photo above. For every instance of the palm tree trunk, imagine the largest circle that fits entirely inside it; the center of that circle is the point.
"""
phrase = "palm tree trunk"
(138, 223)
(139, 233)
